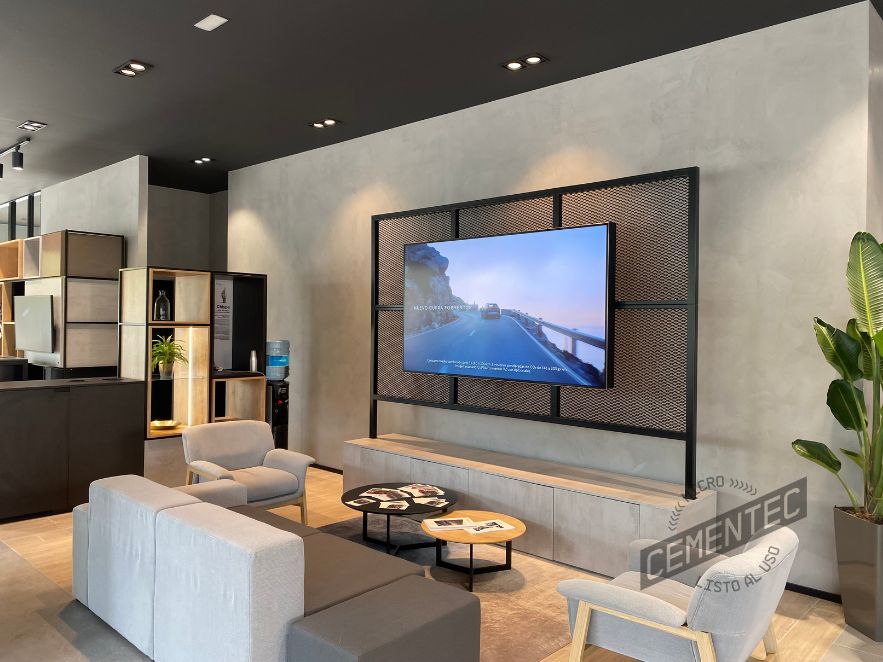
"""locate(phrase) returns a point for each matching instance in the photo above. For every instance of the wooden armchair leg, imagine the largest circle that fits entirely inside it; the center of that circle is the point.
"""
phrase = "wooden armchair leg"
(303, 508)
(580, 632)
(771, 646)
(189, 477)
(706, 647)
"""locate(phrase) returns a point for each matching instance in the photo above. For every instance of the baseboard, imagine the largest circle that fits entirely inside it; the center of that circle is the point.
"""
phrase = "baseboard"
(331, 469)
(814, 592)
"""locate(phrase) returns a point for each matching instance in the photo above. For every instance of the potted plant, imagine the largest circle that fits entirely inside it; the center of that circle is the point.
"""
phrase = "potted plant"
(854, 400)
(165, 353)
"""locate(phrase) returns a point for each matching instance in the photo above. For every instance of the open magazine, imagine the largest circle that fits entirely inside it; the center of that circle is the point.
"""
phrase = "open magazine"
(487, 526)
(448, 523)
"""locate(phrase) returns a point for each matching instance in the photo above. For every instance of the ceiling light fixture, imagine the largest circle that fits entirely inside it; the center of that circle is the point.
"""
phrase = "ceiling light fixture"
(133, 68)
(527, 60)
(1, 171)
(18, 160)
(210, 22)
(31, 125)
(328, 122)
(202, 160)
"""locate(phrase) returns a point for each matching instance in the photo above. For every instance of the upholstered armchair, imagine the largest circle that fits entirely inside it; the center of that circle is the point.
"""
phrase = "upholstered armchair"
(717, 611)
(244, 451)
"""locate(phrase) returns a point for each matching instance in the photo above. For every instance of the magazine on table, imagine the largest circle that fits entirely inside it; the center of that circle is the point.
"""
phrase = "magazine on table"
(447, 523)
(394, 505)
(489, 525)
(431, 501)
(362, 501)
(385, 494)
(422, 490)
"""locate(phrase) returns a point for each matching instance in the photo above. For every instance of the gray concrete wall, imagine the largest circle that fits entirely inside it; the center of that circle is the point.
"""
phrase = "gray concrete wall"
(778, 122)
(112, 200)
(218, 221)
(178, 228)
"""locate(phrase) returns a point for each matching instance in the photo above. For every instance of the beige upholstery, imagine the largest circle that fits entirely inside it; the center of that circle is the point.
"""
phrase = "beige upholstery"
(244, 451)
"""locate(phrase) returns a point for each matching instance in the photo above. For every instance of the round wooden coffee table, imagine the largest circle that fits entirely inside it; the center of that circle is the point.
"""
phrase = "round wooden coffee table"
(472, 539)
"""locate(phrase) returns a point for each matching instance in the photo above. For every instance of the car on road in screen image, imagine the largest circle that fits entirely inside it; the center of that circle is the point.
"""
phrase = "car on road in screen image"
(491, 311)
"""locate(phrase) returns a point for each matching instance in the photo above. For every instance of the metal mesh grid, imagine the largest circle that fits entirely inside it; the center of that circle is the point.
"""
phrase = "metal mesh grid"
(649, 372)
(520, 397)
(506, 218)
(392, 235)
(652, 219)
(392, 381)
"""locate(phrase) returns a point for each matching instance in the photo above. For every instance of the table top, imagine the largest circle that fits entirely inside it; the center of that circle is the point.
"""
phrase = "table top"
(458, 535)
(373, 506)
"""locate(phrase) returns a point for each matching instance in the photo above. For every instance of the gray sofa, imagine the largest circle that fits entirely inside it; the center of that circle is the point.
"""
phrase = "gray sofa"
(185, 579)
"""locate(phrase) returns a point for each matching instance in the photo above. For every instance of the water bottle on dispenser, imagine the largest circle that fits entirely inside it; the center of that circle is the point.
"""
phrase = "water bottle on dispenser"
(277, 390)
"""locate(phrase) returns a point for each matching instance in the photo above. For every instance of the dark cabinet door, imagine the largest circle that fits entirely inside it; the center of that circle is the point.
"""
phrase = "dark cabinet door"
(106, 436)
(33, 451)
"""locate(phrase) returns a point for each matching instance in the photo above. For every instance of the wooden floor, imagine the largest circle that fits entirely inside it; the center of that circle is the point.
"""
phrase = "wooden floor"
(808, 629)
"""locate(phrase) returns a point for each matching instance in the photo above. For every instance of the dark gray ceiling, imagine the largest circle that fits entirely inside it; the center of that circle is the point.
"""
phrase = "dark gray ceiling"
(247, 92)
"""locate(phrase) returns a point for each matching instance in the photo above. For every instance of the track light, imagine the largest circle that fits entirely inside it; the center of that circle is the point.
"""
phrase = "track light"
(1, 171)
(18, 160)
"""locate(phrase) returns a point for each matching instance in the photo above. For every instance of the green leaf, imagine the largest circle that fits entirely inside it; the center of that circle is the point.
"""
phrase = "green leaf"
(866, 346)
(864, 278)
(818, 453)
(855, 457)
(840, 350)
(847, 404)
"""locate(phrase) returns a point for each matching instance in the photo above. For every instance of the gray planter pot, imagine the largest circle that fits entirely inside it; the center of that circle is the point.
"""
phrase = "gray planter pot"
(165, 370)
(860, 565)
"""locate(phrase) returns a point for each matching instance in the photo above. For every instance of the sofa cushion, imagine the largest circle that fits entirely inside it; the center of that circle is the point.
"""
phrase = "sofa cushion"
(275, 520)
(224, 493)
(672, 592)
(266, 483)
(410, 619)
(337, 570)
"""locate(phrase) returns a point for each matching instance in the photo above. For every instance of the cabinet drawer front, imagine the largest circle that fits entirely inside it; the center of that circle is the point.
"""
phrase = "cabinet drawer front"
(529, 502)
(594, 532)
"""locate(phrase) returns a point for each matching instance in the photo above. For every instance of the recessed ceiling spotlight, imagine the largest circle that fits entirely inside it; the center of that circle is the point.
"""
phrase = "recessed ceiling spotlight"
(31, 125)
(527, 60)
(210, 22)
(132, 68)
(202, 160)
(328, 122)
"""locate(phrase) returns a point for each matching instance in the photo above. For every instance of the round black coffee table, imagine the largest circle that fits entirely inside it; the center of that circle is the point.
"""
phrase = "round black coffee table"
(369, 504)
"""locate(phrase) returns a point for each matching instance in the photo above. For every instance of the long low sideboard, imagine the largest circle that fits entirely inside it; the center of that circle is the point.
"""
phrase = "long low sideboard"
(582, 517)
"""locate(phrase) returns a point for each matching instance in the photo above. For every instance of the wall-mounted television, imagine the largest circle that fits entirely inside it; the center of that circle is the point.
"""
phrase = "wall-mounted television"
(533, 306)
(33, 323)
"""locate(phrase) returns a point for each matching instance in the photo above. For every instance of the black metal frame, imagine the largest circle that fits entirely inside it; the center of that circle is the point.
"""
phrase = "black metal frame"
(471, 570)
(690, 304)
(388, 544)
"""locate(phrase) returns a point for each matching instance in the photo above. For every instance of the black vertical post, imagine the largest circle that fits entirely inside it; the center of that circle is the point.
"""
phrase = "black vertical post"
(31, 215)
(453, 384)
(10, 228)
(692, 336)
(554, 390)
(372, 416)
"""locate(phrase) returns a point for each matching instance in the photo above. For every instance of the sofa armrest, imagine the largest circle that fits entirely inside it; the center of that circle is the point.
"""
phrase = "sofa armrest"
(696, 560)
(80, 553)
(209, 470)
(293, 463)
(623, 600)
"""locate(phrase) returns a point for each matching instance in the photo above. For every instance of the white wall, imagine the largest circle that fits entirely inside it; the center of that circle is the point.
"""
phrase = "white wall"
(776, 119)
(111, 200)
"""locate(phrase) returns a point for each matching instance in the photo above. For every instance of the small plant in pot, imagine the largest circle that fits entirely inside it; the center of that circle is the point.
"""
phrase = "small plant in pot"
(165, 352)
(855, 401)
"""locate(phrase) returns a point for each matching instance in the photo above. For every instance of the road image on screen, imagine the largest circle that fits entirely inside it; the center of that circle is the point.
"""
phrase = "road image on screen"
(527, 307)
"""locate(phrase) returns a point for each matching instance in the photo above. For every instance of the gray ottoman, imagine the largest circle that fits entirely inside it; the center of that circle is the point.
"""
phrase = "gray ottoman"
(413, 618)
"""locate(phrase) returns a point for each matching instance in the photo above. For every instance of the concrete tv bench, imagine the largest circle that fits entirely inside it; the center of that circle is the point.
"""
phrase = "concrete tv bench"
(581, 517)
(185, 579)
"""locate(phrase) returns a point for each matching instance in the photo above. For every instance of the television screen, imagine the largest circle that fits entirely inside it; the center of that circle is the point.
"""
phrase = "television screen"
(526, 307)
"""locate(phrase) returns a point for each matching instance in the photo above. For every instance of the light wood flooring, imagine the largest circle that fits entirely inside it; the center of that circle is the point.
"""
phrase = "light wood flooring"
(808, 629)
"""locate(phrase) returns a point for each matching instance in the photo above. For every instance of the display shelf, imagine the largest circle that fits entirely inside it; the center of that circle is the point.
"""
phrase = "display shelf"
(30, 266)
(239, 398)
(7, 339)
(10, 260)
(189, 293)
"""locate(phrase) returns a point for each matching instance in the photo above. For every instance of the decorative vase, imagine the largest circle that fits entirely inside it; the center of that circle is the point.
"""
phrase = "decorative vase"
(162, 308)
(860, 566)
(165, 370)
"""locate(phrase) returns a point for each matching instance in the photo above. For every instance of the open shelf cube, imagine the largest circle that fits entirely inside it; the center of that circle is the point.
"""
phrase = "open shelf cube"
(10, 260)
(30, 265)
(189, 293)
(239, 398)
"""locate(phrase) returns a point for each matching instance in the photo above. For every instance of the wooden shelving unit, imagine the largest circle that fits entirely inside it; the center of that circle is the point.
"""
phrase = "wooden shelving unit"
(10, 260)
(195, 394)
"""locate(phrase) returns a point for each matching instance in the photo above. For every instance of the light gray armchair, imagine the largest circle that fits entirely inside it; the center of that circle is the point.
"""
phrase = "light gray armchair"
(717, 611)
(244, 451)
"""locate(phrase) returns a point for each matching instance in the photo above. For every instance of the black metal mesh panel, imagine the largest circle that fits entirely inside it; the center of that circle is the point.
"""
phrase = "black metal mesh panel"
(392, 235)
(520, 397)
(652, 218)
(650, 374)
(394, 382)
(506, 218)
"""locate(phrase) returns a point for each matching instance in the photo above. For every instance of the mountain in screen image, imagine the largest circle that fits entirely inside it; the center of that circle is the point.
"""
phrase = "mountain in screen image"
(428, 290)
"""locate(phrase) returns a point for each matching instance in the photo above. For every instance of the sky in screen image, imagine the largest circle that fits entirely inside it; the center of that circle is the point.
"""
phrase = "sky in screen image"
(558, 275)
